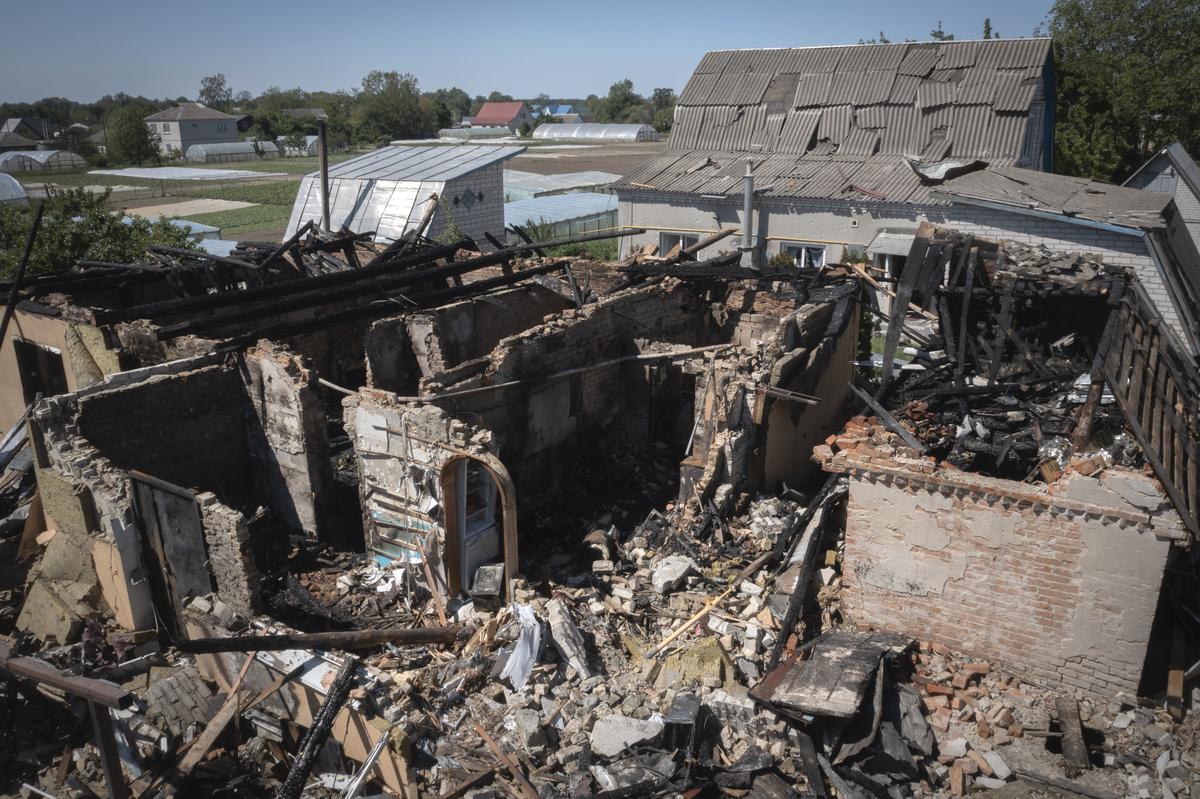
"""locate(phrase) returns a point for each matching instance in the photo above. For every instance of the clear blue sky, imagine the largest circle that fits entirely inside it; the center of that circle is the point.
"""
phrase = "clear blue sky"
(84, 50)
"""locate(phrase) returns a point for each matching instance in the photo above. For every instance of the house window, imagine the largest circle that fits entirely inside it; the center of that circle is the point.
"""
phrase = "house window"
(166, 127)
(808, 256)
(667, 241)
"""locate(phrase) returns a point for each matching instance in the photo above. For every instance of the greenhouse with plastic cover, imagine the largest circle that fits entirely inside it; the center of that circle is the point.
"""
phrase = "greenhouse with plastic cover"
(11, 191)
(229, 151)
(595, 132)
(40, 161)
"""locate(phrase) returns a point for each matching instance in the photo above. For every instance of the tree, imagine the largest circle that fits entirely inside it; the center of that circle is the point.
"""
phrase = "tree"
(130, 140)
(939, 35)
(622, 104)
(664, 118)
(78, 225)
(389, 106)
(663, 99)
(1127, 74)
(988, 33)
(215, 92)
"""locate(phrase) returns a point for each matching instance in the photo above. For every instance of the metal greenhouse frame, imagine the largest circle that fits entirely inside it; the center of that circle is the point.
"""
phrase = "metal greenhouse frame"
(595, 131)
(230, 151)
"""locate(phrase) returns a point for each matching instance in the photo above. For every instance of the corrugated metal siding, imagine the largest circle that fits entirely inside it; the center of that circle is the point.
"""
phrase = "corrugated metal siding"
(874, 87)
(713, 62)
(958, 54)
(699, 88)
(919, 61)
(835, 123)
(798, 131)
(904, 90)
(932, 94)
(1014, 93)
(813, 90)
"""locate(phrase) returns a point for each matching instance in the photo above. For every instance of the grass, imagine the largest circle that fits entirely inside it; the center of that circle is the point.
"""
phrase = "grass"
(280, 192)
(234, 224)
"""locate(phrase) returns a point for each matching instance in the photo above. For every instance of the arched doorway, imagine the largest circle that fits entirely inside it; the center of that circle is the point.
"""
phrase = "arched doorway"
(479, 503)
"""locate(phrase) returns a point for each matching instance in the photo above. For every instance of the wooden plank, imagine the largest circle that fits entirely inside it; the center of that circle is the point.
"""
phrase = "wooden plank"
(100, 692)
(215, 726)
(1074, 750)
(888, 420)
(1151, 378)
(1176, 671)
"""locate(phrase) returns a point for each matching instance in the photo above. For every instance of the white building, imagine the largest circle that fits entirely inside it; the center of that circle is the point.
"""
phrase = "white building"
(388, 192)
(187, 124)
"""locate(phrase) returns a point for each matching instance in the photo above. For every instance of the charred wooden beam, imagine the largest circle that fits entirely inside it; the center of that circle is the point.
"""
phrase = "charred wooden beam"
(888, 420)
(318, 733)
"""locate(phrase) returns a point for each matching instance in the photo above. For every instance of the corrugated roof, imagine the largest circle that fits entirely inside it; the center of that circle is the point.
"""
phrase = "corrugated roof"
(421, 163)
(1025, 189)
(558, 208)
(497, 113)
(967, 99)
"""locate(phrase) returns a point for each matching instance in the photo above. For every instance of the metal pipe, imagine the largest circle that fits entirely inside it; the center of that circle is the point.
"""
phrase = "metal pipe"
(748, 207)
(323, 154)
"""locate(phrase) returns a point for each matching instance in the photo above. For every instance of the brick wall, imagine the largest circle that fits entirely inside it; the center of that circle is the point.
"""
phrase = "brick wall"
(227, 541)
(1062, 593)
(187, 428)
(288, 442)
(474, 216)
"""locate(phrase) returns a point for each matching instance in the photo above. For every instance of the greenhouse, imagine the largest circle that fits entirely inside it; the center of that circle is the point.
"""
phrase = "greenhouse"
(11, 191)
(230, 151)
(471, 134)
(311, 146)
(595, 132)
(40, 161)
(520, 185)
(388, 191)
(563, 215)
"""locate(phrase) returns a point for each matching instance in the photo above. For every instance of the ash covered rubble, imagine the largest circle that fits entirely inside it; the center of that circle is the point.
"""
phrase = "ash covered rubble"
(669, 626)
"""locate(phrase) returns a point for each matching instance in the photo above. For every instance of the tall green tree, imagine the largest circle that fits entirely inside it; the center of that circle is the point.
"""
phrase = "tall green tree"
(622, 104)
(130, 140)
(215, 91)
(1127, 75)
(939, 35)
(389, 106)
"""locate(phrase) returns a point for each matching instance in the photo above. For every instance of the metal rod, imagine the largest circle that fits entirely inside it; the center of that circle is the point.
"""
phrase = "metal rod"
(11, 307)
(352, 639)
(323, 152)
(748, 207)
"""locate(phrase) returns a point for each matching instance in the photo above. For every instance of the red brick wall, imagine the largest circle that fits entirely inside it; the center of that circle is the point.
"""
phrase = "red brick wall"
(1061, 596)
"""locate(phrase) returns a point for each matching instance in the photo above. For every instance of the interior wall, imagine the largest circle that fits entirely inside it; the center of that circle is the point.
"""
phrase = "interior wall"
(188, 429)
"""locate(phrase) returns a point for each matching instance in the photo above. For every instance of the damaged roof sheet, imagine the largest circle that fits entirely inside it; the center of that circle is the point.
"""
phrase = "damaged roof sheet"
(874, 103)
(1061, 194)
(421, 163)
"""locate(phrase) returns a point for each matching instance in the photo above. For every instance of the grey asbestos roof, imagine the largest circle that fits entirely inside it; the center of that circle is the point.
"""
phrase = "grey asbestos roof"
(421, 163)
(187, 111)
(829, 122)
(1179, 158)
(1025, 189)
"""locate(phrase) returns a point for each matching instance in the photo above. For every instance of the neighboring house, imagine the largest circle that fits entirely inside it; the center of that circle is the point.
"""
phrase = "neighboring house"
(565, 113)
(388, 191)
(828, 133)
(33, 128)
(15, 141)
(509, 115)
(187, 124)
(1173, 172)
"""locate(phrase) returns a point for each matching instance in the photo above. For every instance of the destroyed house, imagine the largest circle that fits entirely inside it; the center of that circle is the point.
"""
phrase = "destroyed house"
(388, 192)
(1025, 486)
(1173, 171)
(830, 136)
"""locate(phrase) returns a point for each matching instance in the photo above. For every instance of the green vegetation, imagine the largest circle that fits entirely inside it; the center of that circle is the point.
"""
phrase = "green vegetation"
(78, 225)
(129, 139)
(1127, 72)
(277, 192)
(294, 166)
(234, 224)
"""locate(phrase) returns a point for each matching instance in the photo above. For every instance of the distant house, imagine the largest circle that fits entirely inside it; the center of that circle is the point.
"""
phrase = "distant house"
(509, 115)
(34, 128)
(188, 124)
(566, 113)
(305, 113)
(15, 141)
(1172, 171)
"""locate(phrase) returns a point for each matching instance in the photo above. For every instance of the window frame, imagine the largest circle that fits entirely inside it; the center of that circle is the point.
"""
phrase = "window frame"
(798, 249)
(684, 240)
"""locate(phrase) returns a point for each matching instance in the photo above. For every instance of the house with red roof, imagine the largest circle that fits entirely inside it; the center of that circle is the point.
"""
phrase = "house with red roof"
(508, 115)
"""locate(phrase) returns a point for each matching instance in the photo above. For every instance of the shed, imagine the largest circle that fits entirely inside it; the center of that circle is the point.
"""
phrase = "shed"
(387, 191)
(595, 131)
(565, 214)
(40, 161)
(228, 152)
(11, 191)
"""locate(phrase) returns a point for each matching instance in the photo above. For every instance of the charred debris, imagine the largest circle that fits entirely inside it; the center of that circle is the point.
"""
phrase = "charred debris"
(331, 518)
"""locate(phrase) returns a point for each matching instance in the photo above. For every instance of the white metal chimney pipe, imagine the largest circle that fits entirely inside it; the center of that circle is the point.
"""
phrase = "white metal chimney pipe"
(748, 207)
